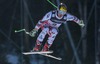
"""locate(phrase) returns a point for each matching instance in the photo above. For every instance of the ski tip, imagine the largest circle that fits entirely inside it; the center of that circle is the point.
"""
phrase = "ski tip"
(51, 51)
(24, 53)
(60, 59)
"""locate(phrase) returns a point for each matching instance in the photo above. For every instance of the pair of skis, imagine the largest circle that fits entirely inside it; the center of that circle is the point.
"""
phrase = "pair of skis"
(44, 53)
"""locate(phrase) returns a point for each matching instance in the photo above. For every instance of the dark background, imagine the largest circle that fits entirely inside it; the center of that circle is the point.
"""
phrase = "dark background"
(19, 14)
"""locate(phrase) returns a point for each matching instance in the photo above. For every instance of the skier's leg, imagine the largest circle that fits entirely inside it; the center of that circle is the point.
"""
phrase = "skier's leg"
(50, 40)
(40, 39)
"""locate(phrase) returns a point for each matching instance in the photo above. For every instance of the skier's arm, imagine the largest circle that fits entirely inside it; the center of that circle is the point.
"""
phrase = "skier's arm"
(75, 19)
(43, 21)
(40, 24)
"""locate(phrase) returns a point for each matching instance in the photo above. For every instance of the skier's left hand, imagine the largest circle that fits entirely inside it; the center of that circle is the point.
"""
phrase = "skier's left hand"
(81, 23)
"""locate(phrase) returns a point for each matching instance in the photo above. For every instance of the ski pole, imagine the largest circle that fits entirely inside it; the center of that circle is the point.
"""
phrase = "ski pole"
(16, 31)
(52, 4)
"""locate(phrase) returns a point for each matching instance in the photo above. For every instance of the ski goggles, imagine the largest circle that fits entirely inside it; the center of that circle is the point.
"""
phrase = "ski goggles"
(61, 12)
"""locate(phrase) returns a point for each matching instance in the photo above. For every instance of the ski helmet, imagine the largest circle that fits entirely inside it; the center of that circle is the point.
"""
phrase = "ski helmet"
(62, 8)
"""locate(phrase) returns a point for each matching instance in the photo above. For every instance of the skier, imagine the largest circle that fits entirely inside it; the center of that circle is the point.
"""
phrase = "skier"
(50, 24)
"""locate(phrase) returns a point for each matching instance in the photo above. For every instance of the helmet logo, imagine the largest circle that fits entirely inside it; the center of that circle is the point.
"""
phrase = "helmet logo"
(62, 8)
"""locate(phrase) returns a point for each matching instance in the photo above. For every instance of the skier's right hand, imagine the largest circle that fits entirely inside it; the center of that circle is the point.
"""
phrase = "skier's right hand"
(33, 33)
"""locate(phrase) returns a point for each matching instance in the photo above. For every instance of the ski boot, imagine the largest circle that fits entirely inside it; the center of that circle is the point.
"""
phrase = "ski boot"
(46, 47)
(37, 47)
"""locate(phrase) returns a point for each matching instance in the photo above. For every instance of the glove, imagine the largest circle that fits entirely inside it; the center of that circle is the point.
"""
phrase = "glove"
(33, 33)
(81, 23)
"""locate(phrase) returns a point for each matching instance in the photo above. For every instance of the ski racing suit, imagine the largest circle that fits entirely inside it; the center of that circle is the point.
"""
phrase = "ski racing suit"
(50, 24)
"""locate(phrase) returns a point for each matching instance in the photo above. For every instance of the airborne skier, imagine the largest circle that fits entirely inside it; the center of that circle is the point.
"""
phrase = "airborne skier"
(50, 23)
